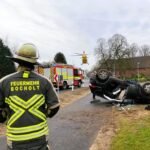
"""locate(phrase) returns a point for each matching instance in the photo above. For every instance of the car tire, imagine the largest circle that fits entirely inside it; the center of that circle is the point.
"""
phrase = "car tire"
(103, 74)
(146, 88)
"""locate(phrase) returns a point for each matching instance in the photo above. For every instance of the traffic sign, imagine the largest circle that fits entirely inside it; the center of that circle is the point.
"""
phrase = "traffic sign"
(55, 77)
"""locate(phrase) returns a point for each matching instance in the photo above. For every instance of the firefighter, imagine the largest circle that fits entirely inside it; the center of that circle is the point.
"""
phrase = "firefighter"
(26, 100)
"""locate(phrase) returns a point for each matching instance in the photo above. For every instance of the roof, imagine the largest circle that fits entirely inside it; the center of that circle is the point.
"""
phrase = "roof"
(140, 62)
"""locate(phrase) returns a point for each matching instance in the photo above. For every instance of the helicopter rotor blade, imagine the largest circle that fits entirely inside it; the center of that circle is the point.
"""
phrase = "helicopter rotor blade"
(78, 54)
(75, 55)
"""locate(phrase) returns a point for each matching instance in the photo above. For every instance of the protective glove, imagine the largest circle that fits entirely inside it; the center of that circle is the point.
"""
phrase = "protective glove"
(3, 115)
(51, 112)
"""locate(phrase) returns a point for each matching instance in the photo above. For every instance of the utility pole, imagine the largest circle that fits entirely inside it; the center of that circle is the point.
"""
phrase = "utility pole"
(114, 66)
(138, 70)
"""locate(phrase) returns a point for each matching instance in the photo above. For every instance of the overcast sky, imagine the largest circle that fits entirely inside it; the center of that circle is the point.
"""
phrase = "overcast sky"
(72, 26)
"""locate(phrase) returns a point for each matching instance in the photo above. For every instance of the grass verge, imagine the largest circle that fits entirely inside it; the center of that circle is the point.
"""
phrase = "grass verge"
(133, 130)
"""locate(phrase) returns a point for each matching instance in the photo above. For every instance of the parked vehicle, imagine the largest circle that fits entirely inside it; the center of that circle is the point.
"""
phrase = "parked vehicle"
(114, 89)
(63, 75)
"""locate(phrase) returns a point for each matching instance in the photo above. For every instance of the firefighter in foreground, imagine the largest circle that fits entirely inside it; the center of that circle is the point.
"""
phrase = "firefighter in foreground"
(26, 100)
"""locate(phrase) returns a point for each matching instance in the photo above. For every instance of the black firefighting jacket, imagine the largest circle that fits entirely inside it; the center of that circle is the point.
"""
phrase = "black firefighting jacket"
(26, 95)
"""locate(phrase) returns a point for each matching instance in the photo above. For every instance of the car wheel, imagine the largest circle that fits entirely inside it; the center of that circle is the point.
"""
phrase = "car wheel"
(103, 74)
(146, 88)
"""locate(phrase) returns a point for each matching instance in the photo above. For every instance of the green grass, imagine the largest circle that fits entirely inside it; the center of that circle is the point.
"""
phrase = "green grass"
(133, 135)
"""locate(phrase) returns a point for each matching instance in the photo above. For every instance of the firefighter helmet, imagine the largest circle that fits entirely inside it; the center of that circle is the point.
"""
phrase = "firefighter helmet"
(26, 53)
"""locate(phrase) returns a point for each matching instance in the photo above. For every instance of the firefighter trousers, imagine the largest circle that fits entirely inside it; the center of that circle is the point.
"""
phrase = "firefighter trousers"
(40, 147)
(35, 144)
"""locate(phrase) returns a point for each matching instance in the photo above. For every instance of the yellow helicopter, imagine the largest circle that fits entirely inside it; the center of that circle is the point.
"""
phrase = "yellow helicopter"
(83, 56)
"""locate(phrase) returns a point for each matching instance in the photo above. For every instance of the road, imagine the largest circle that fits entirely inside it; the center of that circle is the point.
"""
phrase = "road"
(75, 126)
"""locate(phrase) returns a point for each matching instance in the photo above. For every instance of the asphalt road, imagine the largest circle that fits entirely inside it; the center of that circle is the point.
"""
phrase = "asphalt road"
(76, 126)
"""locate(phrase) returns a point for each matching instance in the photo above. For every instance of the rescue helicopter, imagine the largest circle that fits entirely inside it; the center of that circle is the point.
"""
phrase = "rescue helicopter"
(83, 56)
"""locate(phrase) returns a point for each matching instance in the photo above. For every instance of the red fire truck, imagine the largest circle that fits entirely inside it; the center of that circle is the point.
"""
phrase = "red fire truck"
(63, 75)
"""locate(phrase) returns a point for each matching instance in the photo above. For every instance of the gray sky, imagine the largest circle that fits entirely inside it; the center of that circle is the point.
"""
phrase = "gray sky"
(72, 26)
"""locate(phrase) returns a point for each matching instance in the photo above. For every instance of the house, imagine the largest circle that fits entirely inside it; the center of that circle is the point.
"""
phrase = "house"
(129, 67)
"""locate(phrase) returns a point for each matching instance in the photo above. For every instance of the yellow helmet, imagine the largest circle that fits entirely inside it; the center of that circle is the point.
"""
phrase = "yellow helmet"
(26, 53)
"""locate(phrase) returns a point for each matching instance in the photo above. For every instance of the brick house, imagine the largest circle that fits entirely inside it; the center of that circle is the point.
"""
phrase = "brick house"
(130, 67)
(141, 65)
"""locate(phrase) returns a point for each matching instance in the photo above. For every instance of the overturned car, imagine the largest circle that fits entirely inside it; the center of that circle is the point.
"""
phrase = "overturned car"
(103, 84)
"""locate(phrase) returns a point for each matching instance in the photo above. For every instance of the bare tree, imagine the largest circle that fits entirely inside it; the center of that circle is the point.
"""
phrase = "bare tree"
(119, 46)
(103, 53)
(144, 50)
(101, 49)
(134, 48)
(119, 50)
(113, 53)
